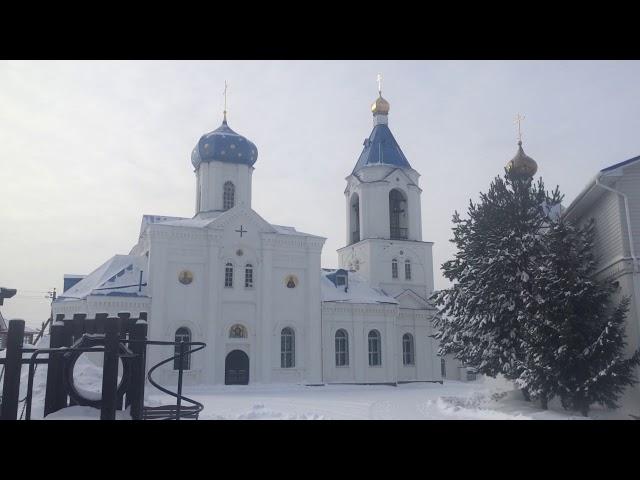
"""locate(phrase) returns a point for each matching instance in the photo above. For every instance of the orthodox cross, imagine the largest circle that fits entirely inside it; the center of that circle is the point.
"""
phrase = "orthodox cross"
(225, 99)
(518, 120)
(380, 84)
(241, 231)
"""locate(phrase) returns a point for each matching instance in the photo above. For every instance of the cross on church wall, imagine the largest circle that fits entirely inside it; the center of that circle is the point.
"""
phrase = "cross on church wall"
(241, 231)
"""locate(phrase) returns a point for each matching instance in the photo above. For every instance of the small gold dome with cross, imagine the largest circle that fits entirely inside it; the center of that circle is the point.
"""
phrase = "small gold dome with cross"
(522, 166)
(380, 106)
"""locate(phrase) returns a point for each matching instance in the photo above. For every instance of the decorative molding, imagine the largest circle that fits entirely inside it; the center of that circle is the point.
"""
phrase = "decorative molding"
(361, 308)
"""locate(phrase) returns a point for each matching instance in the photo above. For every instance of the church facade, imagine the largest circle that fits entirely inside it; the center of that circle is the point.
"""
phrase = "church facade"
(255, 292)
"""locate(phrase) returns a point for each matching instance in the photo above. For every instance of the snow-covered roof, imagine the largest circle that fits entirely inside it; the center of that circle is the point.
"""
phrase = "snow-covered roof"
(205, 219)
(589, 194)
(121, 275)
(357, 289)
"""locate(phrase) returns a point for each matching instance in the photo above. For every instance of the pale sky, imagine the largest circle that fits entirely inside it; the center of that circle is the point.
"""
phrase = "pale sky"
(88, 147)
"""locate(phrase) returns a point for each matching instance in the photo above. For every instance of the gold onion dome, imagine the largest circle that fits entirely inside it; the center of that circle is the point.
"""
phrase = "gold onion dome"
(522, 166)
(380, 106)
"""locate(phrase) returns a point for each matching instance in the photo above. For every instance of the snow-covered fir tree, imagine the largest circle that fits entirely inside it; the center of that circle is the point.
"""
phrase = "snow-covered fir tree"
(484, 315)
(524, 302)
(577, 337)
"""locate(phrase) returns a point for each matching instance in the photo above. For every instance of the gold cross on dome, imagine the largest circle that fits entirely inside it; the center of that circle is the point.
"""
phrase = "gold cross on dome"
(519, 119)
(225, 99)
(380, 84)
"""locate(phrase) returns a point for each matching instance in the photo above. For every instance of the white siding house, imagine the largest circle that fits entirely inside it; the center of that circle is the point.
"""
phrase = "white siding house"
(612, 199)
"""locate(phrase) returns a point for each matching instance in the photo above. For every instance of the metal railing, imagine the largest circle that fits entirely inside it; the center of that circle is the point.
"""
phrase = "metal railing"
(399, 233)
(168, 412)
(174, 412)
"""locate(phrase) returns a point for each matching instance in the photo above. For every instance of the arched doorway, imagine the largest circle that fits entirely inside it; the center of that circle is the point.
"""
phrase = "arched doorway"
(236, 368)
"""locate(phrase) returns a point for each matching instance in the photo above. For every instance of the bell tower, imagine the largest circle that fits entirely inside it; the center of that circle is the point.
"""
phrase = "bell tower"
(383, 214)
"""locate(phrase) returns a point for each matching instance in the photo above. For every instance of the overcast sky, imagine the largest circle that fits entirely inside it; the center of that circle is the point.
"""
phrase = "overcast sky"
(87, 148)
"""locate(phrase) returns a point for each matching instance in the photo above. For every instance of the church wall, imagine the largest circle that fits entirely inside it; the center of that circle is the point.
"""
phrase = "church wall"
(415, 213)
(419, 255)
(358, 320)
(174, 304)
(374, 258)
(427, 362)
(212, 177)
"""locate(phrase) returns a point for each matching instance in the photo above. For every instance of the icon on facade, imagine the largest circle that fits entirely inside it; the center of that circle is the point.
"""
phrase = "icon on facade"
(185, 277)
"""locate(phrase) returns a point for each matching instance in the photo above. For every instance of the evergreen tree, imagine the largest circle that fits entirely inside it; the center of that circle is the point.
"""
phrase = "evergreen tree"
(576, 338)
(484, 316)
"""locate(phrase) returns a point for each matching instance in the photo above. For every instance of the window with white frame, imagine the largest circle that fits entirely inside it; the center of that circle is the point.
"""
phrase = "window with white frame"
(228, 195)
(375, 349)
(183, 334)
(342, 348)
(407, 269)
(248, 276)
(228, 275)
(394, 268)
(407, 349)
(287, 348)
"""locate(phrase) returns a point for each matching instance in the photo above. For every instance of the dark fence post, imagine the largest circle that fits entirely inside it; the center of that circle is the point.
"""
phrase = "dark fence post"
(67, 341)
(55, 396)
(125, 327)
(110, 369)
(77, 326)
(90, 325)
(135, 395)
(12, 369)
(181, 364)
(101, 319)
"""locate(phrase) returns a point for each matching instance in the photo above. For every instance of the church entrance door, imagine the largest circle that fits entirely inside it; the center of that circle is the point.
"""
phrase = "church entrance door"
(236, 368)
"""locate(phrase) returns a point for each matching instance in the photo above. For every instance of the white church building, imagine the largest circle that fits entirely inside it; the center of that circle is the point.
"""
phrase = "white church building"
(255, 292)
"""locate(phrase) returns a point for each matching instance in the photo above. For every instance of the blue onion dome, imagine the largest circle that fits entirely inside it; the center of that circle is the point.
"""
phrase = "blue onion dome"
(522, 165)
(224, 145)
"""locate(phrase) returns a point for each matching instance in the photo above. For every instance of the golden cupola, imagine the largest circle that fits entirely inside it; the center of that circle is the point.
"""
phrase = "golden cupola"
(380, 106)
(521, 166)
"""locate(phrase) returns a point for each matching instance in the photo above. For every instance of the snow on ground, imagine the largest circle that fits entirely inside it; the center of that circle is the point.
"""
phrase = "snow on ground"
(449, 401)
(483, 399)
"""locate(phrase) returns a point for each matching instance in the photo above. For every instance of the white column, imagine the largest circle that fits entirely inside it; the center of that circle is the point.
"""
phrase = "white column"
(266, 312)
(313, 331)
(211, 319)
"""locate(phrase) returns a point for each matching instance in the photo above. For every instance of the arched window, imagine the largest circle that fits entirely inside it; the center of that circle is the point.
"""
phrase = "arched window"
(394, 268)
(375, 349)
(228, 195)
(228, 275)
(407, 269)
(355, 218)
(342, 348)
(237, 331)
(287, 348)
(248, 276)
(397, 215)
(407, 349)
(183, 334)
